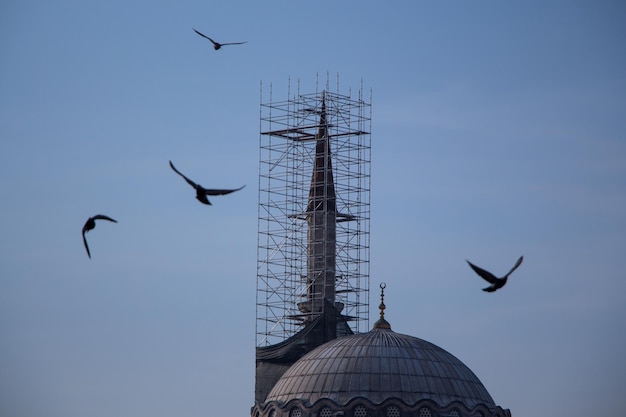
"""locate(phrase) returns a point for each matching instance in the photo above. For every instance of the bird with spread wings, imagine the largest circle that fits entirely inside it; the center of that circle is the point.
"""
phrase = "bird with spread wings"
(496, 283)
(90, 224)
(217, 45)
(201, 192)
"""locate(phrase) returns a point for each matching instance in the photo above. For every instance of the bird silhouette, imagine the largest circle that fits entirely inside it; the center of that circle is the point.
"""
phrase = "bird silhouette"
(217, 45)
(201, 192)
(496, 282)
(91, 224)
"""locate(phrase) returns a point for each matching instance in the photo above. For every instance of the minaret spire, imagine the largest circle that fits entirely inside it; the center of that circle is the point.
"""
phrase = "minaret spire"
(322, 191)
(321, 217)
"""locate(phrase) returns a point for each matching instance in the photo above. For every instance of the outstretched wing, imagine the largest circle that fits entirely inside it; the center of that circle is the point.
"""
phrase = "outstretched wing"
(193, 184)
(233, 43)
(486, 275)
(86, 245)
(205, 36)
(103, 217)
(216, 191)
(518, 263)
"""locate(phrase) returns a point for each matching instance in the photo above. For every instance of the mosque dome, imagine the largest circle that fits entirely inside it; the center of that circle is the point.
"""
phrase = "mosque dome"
(379, 373)
(381, 368)
(363, 365)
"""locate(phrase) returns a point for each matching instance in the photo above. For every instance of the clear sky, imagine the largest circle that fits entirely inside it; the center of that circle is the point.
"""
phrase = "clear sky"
(498, 130)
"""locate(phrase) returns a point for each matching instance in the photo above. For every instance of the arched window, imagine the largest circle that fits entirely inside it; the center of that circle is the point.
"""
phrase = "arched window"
(325, 412)
(392, 411)
(425, 412)
(360, 411)
(295, 412)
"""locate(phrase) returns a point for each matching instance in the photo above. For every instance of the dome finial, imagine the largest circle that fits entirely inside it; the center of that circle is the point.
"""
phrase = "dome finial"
(382, 323)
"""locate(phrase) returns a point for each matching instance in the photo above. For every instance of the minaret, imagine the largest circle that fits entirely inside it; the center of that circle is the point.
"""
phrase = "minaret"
(313, 247)
(321, 217)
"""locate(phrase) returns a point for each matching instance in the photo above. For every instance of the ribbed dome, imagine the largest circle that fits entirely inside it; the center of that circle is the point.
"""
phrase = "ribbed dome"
(379, 365)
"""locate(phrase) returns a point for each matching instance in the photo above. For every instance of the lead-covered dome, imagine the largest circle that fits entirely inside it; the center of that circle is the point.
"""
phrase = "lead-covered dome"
(377, 371)
(379, 365)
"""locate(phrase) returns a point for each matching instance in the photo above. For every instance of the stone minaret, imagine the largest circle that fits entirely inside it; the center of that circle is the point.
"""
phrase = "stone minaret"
(321, 216)
(324, 274)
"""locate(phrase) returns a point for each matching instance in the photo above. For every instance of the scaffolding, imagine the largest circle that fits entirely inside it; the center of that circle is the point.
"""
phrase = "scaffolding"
(291, 132)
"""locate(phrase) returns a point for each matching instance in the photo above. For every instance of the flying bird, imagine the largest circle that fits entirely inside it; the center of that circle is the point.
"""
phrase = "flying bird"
(496, 282)
(217, 45)
(91, 224)
(201, 192)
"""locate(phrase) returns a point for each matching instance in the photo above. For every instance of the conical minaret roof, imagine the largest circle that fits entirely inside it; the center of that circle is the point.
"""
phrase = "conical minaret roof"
(322, 191)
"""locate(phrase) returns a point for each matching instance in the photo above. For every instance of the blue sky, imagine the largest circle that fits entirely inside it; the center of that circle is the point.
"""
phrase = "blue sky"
(498, 130)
